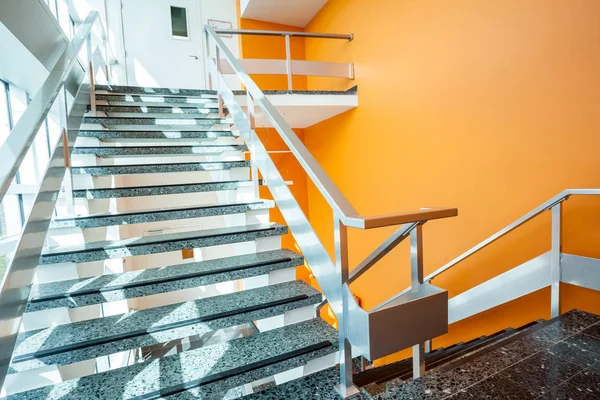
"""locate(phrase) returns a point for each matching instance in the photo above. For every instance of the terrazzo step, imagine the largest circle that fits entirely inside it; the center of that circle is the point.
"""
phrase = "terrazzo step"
(115, 135)
(184, 120)
(69, 343)
(160, 190)
(229, 364)
(161, 214)
(320, 385)
(150, 91)
(124, 99)
(128, 285)
(95, 251)
(154, 109)
(552, 360)
(127, 151)
(134, 169)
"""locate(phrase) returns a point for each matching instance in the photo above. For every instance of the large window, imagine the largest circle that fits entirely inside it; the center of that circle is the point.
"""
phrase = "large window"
(16, 205)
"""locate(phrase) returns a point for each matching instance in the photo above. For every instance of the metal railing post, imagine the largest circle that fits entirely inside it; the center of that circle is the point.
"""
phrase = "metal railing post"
(220, 98)
(416, 278)
(92, 83)
(288, 61)
(346, 387)
(555, 260)
(254, 167)
(68, 180)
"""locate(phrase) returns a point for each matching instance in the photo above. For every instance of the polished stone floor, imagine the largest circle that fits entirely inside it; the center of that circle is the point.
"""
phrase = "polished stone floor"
(559, 361)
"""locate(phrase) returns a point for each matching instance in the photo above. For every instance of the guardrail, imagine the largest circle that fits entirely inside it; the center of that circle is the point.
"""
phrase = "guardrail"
(20, 272)
(368, 331)
(288, 66)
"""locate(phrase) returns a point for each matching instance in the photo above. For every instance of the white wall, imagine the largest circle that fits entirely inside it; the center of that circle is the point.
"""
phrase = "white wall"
(110, 11)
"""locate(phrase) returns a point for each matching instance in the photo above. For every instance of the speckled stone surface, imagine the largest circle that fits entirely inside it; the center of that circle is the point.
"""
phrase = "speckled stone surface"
(352, 91)
(320, 385)
(113, 287)
(143, 99)
(135, 246)
(172, 121)
(126, 151)
(69, 343)
(155, 90)
(105, 170)
(169, 375)
(196, 92)
(136, 191)
(198, 109)
(122, 134)
(533, 366)
(161, 214)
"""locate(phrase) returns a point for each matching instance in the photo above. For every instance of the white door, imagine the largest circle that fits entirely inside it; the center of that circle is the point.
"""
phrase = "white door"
(163, 43)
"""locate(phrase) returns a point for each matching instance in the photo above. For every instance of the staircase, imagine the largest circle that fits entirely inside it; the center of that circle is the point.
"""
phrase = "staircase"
(232, 318)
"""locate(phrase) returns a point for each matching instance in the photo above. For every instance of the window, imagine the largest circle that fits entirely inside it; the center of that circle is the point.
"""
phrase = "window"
(15, 207)
(179, 25)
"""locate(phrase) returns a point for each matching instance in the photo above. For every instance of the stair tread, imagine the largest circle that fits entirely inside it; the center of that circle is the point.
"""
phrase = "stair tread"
(129, 134)
(140, 119)
(219, 362)
(101, 336)
(154, 90)
(131, 169)
(113, 287)
(155, 190)
(188, 109)
(159, 214)
(102, 250)
(152, 150)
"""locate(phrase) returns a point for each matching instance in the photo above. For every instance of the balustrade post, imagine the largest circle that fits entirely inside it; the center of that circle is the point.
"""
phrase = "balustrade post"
(416, 276)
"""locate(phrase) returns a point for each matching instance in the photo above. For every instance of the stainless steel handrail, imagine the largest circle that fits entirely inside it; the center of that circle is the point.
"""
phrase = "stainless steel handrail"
(547, 205)
(253, 32)
(334, 197)
(332, 277)
(18, 279)
(20, 139)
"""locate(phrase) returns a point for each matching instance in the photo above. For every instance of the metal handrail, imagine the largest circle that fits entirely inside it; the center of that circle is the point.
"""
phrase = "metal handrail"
(18, 279)
(332, 276)
(547, 205)
(334, 197)
(22, 136)
(253, 32)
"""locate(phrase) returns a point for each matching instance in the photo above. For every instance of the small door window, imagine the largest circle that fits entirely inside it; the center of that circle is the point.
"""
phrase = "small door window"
(179, 23)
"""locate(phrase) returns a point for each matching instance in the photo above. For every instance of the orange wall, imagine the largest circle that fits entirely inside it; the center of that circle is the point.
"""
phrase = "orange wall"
(272, 47)
(490, 107)
(267, 47)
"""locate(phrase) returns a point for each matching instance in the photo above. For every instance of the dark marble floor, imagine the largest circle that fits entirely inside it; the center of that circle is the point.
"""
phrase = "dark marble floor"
(559, 361)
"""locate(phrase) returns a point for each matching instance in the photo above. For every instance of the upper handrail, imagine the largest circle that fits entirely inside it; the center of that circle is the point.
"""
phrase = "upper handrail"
(23, 134)
(253, 32)
(562, 196)
(341, 207)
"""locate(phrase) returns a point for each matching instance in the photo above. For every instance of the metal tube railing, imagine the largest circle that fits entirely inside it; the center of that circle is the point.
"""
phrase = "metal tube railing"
(333, 278)
(257, 32)
(18, 278)
(547, 205)
(287, 35)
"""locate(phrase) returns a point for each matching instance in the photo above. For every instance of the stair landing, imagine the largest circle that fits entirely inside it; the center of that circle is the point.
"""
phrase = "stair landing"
(560, 360)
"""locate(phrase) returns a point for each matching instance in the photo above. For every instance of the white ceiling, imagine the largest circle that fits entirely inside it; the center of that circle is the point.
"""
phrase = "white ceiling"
(287, 12)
